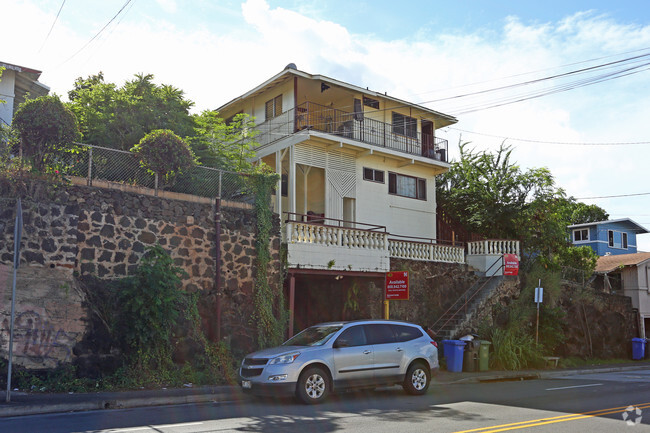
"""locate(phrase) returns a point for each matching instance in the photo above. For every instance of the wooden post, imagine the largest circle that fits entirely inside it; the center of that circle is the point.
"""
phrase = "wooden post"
(386, 310)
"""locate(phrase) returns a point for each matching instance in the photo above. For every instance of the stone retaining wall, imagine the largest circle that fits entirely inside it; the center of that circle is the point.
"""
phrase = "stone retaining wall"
(104, 232)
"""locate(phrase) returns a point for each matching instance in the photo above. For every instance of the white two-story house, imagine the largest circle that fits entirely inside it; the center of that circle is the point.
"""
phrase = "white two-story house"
(357, 176)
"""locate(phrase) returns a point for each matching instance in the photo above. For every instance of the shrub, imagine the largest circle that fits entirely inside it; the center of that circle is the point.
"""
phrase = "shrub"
(45, 127)
(164, 153)
(149, 302)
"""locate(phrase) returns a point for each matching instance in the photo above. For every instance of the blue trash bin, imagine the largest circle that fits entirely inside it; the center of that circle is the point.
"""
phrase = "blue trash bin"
(453, 350)
(638, 348)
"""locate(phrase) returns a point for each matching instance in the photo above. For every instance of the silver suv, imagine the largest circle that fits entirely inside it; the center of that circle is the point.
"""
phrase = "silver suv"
(339, 355)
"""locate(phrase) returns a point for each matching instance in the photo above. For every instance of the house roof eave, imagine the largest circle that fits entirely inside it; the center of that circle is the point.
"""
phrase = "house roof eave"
(282, 76)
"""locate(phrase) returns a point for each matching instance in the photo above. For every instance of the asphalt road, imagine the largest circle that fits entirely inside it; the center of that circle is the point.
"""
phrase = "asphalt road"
(594, 403)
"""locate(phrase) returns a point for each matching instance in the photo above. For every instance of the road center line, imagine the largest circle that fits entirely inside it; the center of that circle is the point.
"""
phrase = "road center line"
(576, 386)
(552, 420)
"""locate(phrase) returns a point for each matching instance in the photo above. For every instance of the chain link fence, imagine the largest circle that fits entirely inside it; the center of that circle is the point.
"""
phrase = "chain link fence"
(103, 163)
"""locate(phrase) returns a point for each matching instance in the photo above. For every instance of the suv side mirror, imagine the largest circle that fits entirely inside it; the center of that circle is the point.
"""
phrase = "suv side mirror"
(341, 342)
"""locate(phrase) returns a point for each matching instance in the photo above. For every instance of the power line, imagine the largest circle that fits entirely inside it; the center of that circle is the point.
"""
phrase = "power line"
(540, 80)
(530, 72)
(558, 89)
(568, 143)
(614, 196)
(48, 33)
(99, 32)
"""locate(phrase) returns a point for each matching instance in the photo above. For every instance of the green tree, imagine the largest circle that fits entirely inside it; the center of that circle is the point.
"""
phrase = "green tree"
(164, 153)
(222, 144)
(586, 213)
(45, 127)
(120, 117)
(491, 195)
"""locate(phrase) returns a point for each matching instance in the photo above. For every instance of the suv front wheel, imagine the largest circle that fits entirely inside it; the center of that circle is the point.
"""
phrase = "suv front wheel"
(313, 386)
(417, 379)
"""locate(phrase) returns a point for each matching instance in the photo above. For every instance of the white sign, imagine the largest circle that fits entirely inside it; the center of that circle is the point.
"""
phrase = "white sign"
(539, 295)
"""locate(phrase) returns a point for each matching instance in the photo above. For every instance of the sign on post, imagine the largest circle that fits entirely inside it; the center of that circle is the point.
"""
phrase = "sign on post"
(397, 286)
(510, 264)
(539, 295)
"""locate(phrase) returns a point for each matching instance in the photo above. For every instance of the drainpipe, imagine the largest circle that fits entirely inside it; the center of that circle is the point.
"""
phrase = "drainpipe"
(217, 273)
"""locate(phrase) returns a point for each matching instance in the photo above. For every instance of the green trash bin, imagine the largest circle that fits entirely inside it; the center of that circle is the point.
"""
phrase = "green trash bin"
(484, 356)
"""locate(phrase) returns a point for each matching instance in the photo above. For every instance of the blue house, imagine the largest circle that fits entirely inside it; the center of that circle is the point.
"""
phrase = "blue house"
(608, 237)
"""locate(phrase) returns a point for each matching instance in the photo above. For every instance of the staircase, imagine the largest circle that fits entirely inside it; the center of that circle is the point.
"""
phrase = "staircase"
(465, 307)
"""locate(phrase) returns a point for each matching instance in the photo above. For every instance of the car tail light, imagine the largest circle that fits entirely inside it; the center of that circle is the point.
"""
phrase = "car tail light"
(434, 343)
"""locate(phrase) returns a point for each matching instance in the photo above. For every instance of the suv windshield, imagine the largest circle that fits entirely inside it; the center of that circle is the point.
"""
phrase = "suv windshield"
(314, 336)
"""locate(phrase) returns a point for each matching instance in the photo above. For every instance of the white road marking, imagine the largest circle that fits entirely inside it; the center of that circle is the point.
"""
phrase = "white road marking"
(576, 386)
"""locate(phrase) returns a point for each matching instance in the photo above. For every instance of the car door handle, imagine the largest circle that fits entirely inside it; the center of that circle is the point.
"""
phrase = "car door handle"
(367, 352)
(399, 349)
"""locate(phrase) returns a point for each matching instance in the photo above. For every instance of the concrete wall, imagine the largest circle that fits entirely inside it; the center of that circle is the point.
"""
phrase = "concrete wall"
(50, 318)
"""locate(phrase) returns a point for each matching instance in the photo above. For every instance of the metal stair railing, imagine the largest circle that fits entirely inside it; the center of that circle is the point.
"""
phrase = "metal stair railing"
(467, 299)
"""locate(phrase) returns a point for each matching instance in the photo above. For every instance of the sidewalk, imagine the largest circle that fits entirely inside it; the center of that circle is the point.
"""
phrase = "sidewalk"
(23, 403)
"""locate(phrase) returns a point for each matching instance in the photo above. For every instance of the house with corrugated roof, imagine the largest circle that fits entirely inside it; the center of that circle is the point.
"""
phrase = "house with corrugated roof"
(628, 275)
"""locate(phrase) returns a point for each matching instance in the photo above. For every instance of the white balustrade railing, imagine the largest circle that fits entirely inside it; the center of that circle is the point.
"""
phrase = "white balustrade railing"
(425, 251)
(493, 247)
(326, 235)
(316, 234)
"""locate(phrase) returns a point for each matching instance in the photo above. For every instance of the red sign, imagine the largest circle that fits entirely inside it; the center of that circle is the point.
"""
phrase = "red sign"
(397, 286)
(510, 264)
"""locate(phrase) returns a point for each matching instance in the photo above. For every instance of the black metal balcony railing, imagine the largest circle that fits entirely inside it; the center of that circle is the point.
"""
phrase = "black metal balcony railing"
(316, 117)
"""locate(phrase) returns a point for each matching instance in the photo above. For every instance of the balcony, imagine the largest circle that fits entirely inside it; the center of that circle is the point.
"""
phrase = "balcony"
(317, 242)
(310, 116)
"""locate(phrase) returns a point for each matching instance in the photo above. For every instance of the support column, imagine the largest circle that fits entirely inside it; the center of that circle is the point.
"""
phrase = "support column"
(292, 302)
(292, 180)
(278, 188)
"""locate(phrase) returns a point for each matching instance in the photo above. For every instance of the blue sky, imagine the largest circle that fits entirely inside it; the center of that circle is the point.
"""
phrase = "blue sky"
(416, 50)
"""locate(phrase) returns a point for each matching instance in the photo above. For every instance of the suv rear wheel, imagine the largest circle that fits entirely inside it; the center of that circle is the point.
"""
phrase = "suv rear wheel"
(417, 379)
(313, 386)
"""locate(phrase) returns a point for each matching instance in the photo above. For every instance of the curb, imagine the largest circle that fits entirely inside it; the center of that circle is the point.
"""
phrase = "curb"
(233, 394)
(544, 374)
(117, 403)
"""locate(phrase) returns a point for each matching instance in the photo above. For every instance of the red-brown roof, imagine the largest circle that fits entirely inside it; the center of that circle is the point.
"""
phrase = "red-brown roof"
(612, 262)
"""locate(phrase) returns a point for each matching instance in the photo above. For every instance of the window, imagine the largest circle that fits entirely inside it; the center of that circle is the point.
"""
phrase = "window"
(407, 186)
(581, 235)
(406, 333)
(379, 334)
(616, 239)
(405, 125)
(372, 103)
(351, 337)
(373, 175)
(273, 107)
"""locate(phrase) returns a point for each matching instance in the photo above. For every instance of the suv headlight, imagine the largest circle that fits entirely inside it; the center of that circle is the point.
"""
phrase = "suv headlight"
(285, 359)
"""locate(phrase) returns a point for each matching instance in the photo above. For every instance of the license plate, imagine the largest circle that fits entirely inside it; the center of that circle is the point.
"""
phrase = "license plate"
(246, 384)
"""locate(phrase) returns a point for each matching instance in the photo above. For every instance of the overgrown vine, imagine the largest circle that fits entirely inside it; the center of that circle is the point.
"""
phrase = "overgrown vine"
(270, 326)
